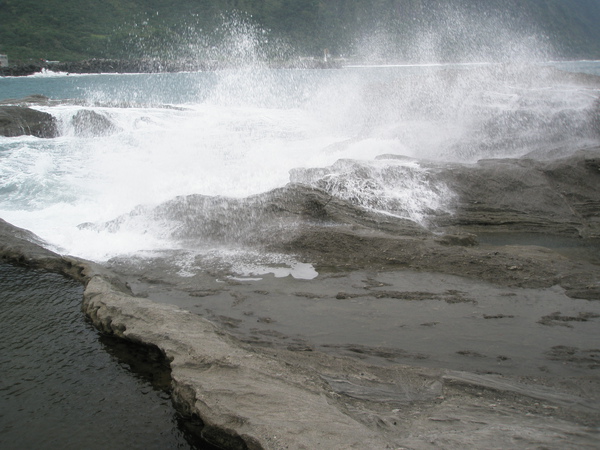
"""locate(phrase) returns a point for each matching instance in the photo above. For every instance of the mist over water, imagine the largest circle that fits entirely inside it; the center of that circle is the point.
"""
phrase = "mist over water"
(453, 34)
(357, 132)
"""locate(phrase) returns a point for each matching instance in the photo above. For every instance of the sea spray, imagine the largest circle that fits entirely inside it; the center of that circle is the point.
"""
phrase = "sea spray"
(390, 185)
(240, 132)
(445, 32)
(241, 139)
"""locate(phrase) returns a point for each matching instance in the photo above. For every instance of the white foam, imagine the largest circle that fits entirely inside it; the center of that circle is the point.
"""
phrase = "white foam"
(243, 138)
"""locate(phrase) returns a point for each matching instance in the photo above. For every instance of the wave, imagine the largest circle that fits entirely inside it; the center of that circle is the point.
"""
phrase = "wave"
(240, 134)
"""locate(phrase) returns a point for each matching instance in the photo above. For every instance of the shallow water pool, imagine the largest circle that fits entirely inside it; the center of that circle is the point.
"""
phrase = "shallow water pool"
(63, 385)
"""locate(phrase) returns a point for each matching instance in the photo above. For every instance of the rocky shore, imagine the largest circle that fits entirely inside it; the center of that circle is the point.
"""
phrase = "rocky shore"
(475, 327)
(256, 384)
(259, 397)
(149, 65)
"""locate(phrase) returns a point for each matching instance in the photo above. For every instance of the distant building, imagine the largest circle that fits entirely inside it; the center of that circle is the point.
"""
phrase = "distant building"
(3, 61)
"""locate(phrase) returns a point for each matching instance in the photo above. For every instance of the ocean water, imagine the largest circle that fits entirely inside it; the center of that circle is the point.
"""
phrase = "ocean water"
(243, 132)
(64, 386)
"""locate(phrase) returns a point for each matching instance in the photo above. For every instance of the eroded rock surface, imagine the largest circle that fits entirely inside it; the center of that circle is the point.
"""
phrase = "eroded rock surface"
(273, 397)
(19, 121)
(251, 398)
(87, 123)
(525, 195)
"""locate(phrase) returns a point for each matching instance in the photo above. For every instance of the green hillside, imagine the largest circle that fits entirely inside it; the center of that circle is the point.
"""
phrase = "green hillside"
(393, 29)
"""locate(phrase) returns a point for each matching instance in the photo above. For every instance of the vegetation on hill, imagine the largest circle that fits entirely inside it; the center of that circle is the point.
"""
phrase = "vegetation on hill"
(391, 29)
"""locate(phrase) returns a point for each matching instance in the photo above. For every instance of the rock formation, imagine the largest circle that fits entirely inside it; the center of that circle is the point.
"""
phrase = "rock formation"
(254, 398)
(19, 121)
(88, 123)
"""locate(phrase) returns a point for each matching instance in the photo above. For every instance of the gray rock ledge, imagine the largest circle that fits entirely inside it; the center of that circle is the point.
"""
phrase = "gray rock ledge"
(245, 399)
(252, 398)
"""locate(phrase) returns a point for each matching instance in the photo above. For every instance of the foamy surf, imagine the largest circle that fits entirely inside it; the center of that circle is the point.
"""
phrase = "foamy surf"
(237, 134)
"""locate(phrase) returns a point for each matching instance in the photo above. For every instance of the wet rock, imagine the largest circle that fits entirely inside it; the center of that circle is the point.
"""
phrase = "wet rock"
(88, 123)
(556, 197)
(265, 219)
(254, 410)
(556, 318)
(498, 316)
(575, 355)
(300, 348)
(366, 185)
(268, 398)
(459, 201)
(34, 99)
(524, 195)
(22, 247)
(449, 296)
(470, 353)
(464, 240)
(20, 70)
(25, 248)
(19, 121)
(365, 351)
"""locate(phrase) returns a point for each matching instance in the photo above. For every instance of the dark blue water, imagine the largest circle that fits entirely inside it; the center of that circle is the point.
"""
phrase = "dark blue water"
(63, 386)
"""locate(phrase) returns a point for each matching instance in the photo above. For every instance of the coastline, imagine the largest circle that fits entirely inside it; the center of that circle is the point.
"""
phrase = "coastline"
(252, 395)
(478, 330)
(132, 66)
(95, 66)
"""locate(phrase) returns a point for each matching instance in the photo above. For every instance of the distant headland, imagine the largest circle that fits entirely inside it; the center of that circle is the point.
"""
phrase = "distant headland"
(151, 65)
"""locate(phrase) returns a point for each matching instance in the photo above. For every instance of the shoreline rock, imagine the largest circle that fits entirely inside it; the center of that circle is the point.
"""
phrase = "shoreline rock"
(116, 66)
(88, 123)
(273, 398)
(545, 198)
(557, 197)
(21, 120)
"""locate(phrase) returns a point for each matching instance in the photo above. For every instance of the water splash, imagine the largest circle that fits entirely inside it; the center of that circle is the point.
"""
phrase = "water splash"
(233, 40)
(250, 129)
(463, 113)
(449, 33)
(399, 187)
